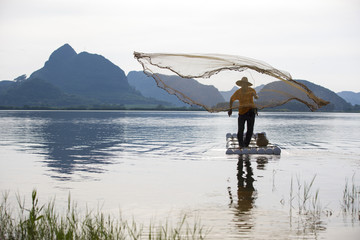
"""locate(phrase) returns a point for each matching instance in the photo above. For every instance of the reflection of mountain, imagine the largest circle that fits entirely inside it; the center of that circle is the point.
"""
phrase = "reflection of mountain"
(78, 141)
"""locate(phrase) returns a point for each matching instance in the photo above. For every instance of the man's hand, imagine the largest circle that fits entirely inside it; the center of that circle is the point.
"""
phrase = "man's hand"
(230, 112)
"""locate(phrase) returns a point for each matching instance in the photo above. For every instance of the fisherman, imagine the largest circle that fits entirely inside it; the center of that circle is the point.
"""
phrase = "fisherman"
(247, 110)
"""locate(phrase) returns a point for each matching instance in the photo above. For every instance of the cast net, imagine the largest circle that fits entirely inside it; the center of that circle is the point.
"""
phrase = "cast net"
(208, 80)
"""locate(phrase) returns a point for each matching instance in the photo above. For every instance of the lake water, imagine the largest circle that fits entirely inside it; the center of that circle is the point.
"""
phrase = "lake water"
(161, 165)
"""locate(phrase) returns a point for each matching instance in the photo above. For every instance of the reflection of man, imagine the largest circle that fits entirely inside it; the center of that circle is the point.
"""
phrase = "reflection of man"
(246, 192)
(245, 95)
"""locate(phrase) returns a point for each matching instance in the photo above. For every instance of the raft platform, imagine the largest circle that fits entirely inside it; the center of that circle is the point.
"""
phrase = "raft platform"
(232, 146)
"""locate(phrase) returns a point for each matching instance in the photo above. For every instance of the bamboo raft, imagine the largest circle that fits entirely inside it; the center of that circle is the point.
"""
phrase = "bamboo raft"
(232, 146)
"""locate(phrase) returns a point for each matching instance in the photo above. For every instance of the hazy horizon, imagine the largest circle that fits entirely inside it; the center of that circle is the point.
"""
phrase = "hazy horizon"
(312, 40)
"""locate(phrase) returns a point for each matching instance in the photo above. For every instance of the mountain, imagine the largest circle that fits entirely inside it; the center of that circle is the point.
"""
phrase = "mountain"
(147, 87)
(38, 92)
(87, 75)
(5, 85)
(227, 94)
(351, 97)
(205, 94)
(189, 87)
(336, 102)
(71, 79)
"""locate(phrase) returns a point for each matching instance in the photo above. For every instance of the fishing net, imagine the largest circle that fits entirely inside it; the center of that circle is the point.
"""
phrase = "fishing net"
(208, 80)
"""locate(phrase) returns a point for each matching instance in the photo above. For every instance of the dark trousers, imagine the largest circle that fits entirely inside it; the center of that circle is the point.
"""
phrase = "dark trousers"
(249, 118)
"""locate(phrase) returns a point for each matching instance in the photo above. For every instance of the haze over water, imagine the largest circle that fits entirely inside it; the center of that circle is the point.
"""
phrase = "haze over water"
(165, 164)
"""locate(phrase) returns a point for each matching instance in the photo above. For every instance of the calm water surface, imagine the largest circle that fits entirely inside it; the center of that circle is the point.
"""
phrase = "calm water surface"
(165, 164)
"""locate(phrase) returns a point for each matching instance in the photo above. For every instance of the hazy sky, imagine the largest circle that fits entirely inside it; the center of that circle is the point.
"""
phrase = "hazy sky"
(315, 40)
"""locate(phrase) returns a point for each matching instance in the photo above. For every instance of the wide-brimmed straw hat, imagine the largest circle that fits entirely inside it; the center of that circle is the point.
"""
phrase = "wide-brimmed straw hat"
(243, 82)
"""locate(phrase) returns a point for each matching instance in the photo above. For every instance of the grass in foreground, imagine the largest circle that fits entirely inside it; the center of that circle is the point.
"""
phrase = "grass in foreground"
(43, 222)
(308, 210)
(351, 200)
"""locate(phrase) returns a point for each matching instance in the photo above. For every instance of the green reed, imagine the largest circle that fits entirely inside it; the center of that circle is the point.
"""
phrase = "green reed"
(308, 202)
(183, 228)
(44, 222)
(308, 209)
(351, 199)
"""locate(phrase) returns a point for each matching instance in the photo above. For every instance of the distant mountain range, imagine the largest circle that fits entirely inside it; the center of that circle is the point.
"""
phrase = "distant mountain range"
(336, 103)
(88, 75)
(351, 97)
(189, 87)
(69, 79)
(147, 87)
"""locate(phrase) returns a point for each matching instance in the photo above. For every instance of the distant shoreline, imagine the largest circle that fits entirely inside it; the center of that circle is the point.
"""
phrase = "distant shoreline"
(109, 108)
(142, 108)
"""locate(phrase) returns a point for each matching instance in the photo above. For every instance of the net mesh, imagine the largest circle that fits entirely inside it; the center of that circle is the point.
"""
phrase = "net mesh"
(196, 79)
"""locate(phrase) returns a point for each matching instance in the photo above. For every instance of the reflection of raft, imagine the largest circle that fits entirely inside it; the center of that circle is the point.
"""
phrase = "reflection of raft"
(232, 147)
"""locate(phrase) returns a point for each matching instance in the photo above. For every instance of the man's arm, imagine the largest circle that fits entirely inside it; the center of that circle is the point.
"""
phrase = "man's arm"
(255, 95)
(230, 105)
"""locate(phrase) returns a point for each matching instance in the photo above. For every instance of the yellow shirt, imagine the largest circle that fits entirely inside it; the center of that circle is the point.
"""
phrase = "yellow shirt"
(245, 98)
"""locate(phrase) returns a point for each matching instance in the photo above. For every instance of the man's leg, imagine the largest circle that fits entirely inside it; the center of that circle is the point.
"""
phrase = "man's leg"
(250, 127)
(240, 134)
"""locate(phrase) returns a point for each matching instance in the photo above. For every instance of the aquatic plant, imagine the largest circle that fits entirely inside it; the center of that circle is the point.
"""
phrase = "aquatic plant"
(183, 230)
(44, 222)
(350, 203)
(308, 210)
